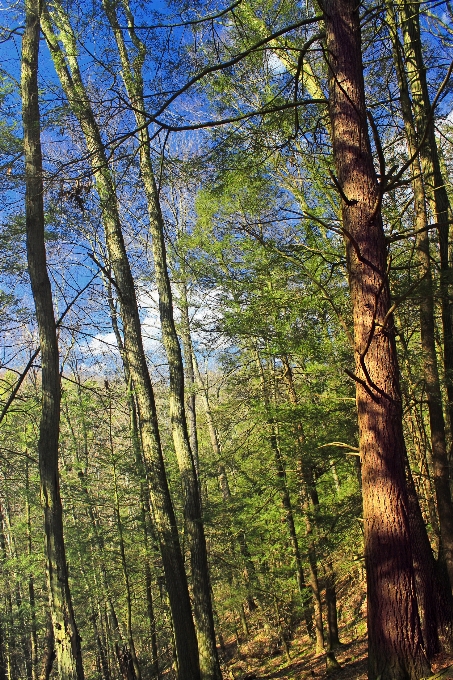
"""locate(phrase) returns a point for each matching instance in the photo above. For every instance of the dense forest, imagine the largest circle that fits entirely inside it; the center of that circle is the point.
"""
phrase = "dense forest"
(226, 381)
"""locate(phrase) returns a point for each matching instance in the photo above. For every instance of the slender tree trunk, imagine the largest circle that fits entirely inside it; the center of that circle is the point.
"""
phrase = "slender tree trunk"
(434, 184)
(394, 632)
(3, 666)
(31, 585)
(189, 373)
(427, 595)
(120, 529)
(176, 580)
(333, 640)
(285, 497)
(202, 605)
(10, 642)
(103, 662)
(304, 494)
(67, 641)
(430, 165)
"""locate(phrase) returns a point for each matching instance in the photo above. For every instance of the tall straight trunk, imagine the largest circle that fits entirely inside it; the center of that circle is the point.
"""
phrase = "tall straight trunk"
(31, 584)
(10, 641)
(67, 641)
(437, 194)
(249, 567)
(103, 662)
(146, 511)
(202, 604)
(69, 74)
(394, 632)
(432, 175)
(284, 494)
(3, 667)
(439, 459)
(189, 373)
(304, 494)
(120, 530)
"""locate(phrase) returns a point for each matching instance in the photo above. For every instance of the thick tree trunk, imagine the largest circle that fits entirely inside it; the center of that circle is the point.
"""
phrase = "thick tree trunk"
(67, 641)
(176, 580)
(394, 632)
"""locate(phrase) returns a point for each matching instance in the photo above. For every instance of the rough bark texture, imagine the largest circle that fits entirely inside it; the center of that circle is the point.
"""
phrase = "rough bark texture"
(67, 642)
(394, 631)
(68, 71)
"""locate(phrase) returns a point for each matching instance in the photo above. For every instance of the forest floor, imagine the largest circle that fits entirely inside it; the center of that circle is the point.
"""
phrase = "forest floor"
(249, 661)
(257, 659)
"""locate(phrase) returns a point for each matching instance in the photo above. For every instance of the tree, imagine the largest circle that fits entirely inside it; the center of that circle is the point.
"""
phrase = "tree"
(67, 641)
(395, 637)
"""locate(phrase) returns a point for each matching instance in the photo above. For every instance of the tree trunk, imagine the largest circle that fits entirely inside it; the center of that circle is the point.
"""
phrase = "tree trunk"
(31, 585)
(394, 631)
(432, 176)
(49, 651)
(119, 525)
(202, 605)
(427, 592)
(305, 484)
(285, 498)
(176, 580)
(67, 641)
(333, 640)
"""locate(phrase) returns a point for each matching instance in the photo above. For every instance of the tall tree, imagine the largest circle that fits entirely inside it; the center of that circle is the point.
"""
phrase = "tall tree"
(67, 641)
(67, 67)
(202, 605)
(394, 631)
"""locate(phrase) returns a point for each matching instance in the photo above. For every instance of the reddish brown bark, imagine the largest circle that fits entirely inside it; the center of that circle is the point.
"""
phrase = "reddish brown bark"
(394, 631)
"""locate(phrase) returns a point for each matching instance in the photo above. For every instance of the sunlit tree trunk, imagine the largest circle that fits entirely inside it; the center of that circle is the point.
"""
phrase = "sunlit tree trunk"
(68, 71)
(67, 641)
(31, 584)
(202, 604)
(394, 632)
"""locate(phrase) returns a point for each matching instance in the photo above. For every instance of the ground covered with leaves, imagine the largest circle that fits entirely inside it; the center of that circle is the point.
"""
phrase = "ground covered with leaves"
(262, 658)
